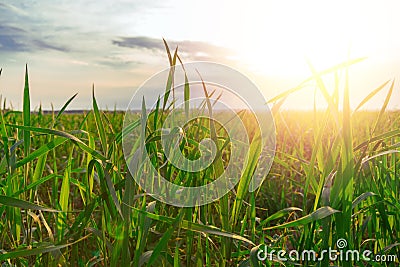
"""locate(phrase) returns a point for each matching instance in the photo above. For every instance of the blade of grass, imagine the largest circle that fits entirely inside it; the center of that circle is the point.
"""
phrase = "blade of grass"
(65, 106)
(39, 153)
(186, 92)
(18, 203)
(384, 106)
(279, 214)
(71, 137)
(319, 214)
(162, 244)
(27, 114)
(64, 198)
(170, 81)
(370, 95)
(99, 124)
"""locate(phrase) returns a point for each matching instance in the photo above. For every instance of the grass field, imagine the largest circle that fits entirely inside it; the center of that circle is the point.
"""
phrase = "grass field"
(66, 197)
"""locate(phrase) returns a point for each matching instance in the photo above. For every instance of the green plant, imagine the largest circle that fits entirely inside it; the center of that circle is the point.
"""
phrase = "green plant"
(66, 197)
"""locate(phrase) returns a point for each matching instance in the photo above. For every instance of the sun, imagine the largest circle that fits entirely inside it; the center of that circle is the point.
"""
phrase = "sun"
(278, 38)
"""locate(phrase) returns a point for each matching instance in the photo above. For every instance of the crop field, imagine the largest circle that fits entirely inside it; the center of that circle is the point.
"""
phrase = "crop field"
(68, 199)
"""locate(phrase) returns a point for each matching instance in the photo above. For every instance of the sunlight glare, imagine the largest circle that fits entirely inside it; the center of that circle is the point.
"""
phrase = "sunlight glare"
(280, 45)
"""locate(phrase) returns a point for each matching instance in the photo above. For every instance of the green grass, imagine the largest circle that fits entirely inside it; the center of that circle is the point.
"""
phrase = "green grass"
(66, 197)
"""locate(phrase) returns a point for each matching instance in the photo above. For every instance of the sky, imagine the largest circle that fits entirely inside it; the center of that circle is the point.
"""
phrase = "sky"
(117, 46)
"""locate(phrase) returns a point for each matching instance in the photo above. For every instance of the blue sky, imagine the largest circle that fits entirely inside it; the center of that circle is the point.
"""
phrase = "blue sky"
(117, 45)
